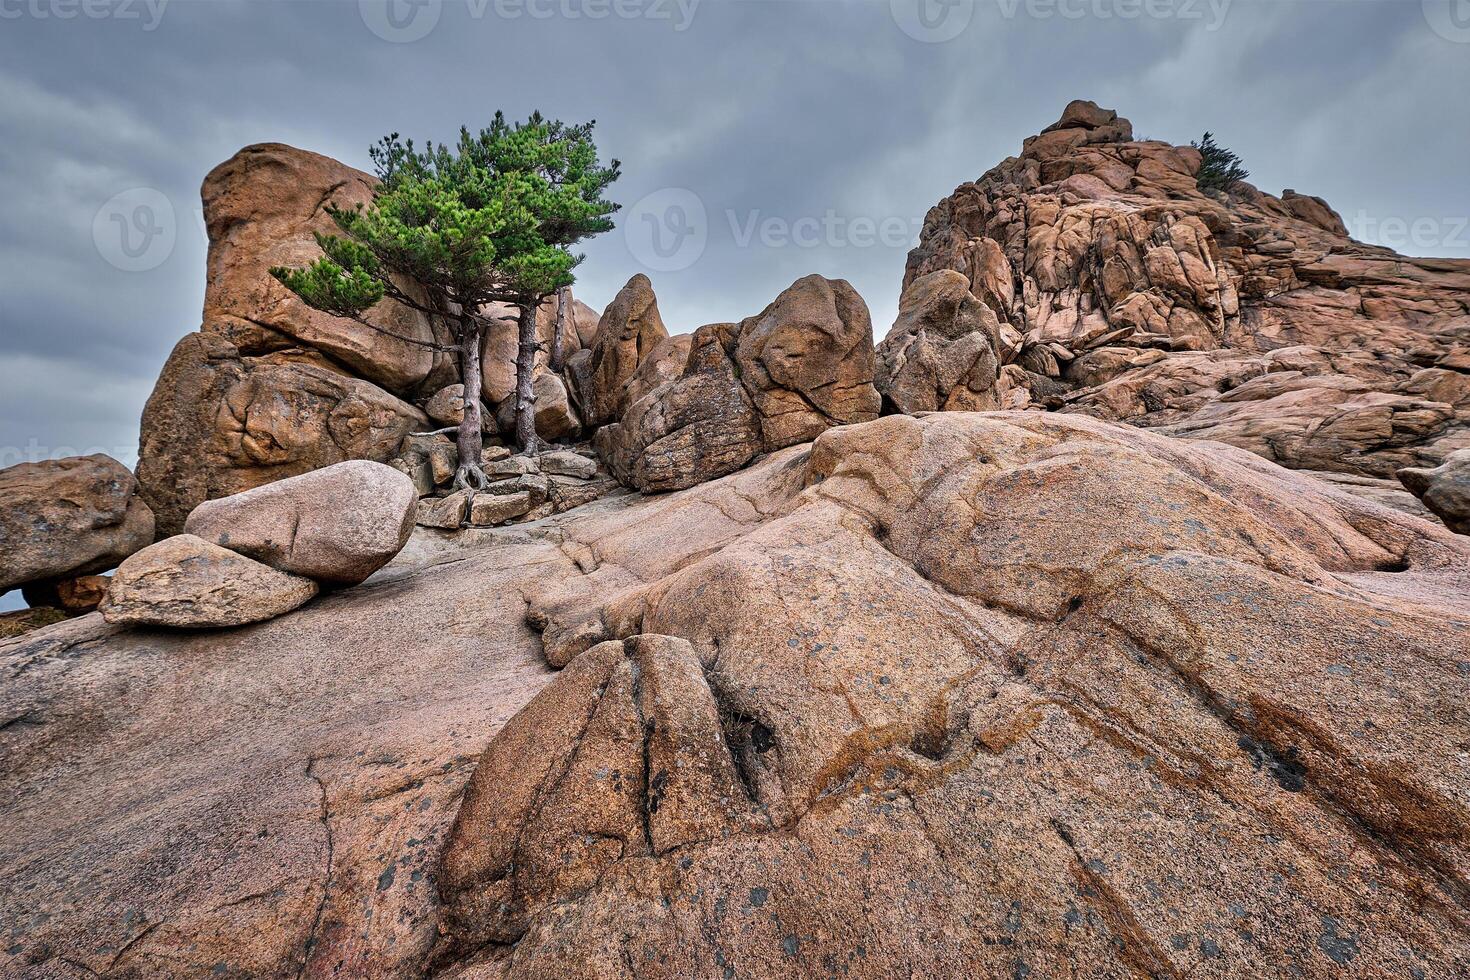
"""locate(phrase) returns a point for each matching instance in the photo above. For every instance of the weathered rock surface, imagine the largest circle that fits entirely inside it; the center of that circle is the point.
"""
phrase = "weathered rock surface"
(220, 422)
(61, 518)
(801, 365)
(338, 524)
(262, 208)
(629, 331)
(700, 426)
(1132, 704)
(274, 799)
(1123, 291)
(1444, 489)
(186, 581)
(663, 365)
(940, 354)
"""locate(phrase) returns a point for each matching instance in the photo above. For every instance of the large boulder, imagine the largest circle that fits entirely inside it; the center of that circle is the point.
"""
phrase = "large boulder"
(338, 524)
(184, 581)
(1444, 489)
(629, 331)
(262, 208)
(62, 518)
(220, 422)
(940, 354)
(1123, 290)
(700, 426)
(807, 361)
(803, 364)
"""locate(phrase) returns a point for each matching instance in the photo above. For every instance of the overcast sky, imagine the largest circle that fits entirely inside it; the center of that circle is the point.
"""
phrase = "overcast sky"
(761, 140)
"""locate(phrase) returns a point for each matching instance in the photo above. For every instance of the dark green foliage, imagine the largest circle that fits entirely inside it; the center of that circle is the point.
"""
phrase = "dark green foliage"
(490, 219)
(1220, 169)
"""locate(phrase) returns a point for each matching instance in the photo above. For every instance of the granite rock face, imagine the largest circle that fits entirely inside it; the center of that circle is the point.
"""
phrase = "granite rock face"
(220, 422)
(62, 518)
(801, 365)
(940, 354)
(1088, 688)
(628, 333)
(1125, 292)
(269, 389)
(1131, 703)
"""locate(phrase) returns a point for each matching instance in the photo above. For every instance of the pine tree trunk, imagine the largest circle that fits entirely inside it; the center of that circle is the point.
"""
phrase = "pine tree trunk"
(525, 378)
(470, 440)
(559, 335)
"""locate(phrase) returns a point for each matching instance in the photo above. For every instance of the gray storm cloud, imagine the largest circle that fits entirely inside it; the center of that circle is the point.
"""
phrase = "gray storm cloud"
(794, 137)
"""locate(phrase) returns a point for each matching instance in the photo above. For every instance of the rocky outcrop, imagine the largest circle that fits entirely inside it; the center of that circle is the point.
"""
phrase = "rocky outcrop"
(269, 388)
(807, 361)
(1124, 291)
(923, 684)
(629, 331)
(339, 524)
(184, 581)
(220, 422)
(929, 698)
(697, 427)
(62, 518)
(1444, 489)
(262, 208)
(940, 353)
(801, 365)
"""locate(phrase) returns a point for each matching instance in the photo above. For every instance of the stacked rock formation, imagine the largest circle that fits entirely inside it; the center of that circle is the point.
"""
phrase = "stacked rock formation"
(269, 388)
(943, 693)
(803, 364)
(264, 552)
(1123, 291)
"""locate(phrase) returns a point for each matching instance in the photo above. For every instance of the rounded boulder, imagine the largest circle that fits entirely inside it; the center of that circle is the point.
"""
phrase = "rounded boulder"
(338, 524)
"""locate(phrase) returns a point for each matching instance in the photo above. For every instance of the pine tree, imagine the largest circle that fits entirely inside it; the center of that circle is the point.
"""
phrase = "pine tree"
(453, 230)
(1220, 168)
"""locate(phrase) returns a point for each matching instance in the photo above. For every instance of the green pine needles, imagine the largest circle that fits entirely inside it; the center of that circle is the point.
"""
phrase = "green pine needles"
(454, 229)
(1220, 168)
